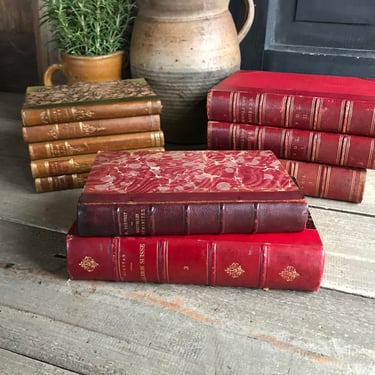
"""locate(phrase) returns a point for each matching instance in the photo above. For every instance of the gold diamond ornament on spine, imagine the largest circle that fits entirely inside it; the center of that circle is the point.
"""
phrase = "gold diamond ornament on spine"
(88, 264)
(289, 274)
(234, 270)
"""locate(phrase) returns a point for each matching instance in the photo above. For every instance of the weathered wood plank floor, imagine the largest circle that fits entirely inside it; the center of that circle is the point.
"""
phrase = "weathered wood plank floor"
(51, 325)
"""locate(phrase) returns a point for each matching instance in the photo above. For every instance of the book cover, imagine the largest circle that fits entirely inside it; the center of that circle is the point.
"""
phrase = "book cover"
(328, 181)
(295, 100)
(91, 128)
(305, 145)
(84, 101)
(189, 192)
(89, 145)
(261, 260)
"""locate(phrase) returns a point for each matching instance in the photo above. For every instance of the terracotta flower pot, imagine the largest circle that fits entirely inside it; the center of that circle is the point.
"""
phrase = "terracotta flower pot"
(87, 68)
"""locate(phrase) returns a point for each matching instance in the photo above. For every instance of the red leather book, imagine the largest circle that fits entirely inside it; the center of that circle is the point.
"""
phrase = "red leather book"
(328, 181)
(305, 145)
(295, 100)
(189, 192)
(272, 260)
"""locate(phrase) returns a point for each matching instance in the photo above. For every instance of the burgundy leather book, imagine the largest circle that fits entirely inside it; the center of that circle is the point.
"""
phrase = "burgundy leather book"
(261, 260)
(328, 181)
(295, 100)
(305, 145)
(189, 192)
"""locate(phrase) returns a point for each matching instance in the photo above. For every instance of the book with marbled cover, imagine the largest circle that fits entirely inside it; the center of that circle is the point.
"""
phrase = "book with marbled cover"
(261, 260)
(189, 192)
(85, 101)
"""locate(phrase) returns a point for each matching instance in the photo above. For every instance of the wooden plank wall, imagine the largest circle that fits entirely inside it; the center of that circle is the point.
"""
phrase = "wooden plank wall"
(18, 61)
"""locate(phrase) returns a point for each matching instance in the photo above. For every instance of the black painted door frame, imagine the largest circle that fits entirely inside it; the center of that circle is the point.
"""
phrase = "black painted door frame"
(312, 36)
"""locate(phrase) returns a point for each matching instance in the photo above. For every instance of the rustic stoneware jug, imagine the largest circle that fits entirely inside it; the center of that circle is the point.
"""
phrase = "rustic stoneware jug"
(183, 48)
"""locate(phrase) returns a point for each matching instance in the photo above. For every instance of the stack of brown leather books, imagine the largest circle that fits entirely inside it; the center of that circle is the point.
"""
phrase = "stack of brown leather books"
(64, 127)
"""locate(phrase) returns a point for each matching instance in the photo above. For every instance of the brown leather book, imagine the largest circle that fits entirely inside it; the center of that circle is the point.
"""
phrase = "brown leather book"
(88, 101)
(90, 128)
(63, 182)
(89, 145)
(69, 164)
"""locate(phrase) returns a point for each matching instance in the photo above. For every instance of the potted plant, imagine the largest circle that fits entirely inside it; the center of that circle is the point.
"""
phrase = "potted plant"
(88, 32)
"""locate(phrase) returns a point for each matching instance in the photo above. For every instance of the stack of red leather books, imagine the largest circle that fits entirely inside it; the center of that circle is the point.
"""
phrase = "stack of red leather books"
(321, 127)
(229, 218)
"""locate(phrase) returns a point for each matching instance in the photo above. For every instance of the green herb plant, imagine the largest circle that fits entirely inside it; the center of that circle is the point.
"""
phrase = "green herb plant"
(89, 27)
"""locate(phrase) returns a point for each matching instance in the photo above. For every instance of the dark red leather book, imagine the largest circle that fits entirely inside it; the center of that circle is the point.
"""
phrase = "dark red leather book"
(295, 100)
(272, 260)
(328, 181)
(304, 145)
(189, 192)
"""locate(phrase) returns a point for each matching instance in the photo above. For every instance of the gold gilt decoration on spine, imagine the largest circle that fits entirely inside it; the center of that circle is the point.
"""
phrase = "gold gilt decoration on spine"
(88, 264)
(88, 129)
(289, 273)
(54, 132)
(60, 115)
(234, 270)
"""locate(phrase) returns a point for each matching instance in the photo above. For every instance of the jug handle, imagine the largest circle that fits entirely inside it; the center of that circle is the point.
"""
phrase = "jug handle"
(248, 19)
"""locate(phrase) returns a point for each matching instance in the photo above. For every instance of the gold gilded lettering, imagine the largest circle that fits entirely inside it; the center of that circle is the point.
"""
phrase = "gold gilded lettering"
(142, 267)
(123, 265)
(125, 222)
(143, 221)
(137, 223)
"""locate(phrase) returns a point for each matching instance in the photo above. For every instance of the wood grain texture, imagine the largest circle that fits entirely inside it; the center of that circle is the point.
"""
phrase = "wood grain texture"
(15, 364)
(102, 328)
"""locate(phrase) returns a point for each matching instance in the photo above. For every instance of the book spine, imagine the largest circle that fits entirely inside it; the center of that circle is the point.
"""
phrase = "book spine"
(62, 114)
(337, 115)
(327, 181)
(68, 130)
(240, 261)
(54, 183)
(303, 145)
(89, 145)
(70, 164)
(129, 219)
(62, 165)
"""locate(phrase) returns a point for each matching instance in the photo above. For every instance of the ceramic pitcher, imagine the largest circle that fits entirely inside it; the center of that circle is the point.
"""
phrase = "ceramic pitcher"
(183, 48)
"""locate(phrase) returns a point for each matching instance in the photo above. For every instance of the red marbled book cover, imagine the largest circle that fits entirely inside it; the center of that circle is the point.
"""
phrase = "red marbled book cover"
(261, 260)
(189, 192)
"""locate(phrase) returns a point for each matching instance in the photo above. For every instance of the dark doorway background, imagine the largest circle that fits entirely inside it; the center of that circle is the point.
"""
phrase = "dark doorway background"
(311, 36)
